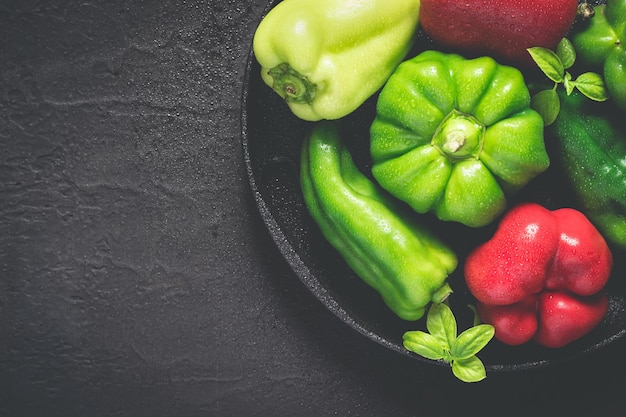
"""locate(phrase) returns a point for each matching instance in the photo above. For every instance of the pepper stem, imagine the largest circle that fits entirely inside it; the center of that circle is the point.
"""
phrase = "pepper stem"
(442, 293)
(291, 85)
(459, 136)
(586, 11)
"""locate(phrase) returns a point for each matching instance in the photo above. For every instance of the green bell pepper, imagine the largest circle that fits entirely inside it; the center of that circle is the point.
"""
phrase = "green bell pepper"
(327, 57)
(456, 136)
(388, 250)
(591, 141)
(600, 41)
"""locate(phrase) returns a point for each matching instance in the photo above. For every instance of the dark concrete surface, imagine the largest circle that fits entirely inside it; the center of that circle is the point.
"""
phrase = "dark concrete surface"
(136, 275)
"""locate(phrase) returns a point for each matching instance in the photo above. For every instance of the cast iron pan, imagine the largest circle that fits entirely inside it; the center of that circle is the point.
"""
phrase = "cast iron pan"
(272, 137)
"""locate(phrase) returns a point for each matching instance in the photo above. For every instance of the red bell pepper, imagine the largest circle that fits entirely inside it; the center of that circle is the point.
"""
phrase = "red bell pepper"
(500, 28)
(541, 276)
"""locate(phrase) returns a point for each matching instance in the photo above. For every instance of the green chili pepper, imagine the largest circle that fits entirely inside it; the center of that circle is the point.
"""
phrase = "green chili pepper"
(407, 265)
(591, 139)
(326, 57)
(601, 41)
(456, 136)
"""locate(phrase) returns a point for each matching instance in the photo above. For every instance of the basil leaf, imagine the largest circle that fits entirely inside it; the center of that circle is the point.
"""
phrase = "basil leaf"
(592, 86)
(441, 323)
(471, 341)
(566, 53)
(547, 104)
(549, 62)
(469, 370)
(443, 344)
(423, 344)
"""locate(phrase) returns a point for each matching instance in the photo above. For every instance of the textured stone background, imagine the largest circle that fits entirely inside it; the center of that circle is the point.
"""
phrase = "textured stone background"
(136, 277)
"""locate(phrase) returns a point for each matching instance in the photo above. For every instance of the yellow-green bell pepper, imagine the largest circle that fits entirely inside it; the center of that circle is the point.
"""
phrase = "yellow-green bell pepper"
(327, 57)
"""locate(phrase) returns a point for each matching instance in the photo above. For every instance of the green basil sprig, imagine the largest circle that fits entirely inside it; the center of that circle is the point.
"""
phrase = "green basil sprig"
(555, 65)
(441, 342)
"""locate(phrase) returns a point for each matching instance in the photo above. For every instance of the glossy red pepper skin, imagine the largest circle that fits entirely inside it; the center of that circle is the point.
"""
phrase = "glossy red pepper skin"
(552, 318)
(565, 317)
(515, 324)
(503, 29)
(541, 276)
(513, 264)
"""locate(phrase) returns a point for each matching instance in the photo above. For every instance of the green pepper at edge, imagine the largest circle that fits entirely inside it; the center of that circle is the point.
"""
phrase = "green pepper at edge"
(456, 136)
(326, 57)
(591, 139)
(601, 41)
(392, 253)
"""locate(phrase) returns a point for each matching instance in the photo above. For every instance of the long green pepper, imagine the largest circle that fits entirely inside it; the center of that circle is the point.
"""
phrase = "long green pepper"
(393, 254)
